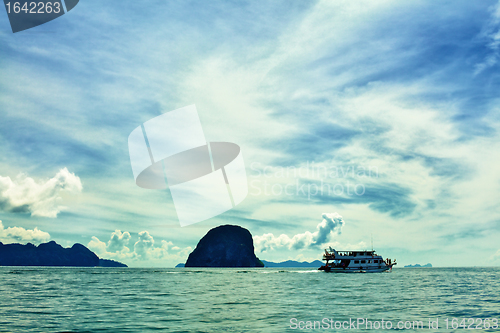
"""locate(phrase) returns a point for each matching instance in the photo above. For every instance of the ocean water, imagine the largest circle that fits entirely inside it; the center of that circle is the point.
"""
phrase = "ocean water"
(246, 300)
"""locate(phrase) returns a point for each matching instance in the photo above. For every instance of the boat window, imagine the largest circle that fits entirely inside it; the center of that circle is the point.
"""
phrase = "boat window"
(362, 261)
(356, 261)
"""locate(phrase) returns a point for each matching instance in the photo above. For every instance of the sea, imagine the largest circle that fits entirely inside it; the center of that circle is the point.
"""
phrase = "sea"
(48, 299)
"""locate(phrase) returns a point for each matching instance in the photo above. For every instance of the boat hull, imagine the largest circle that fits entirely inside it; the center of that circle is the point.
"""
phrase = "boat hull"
(353, 269)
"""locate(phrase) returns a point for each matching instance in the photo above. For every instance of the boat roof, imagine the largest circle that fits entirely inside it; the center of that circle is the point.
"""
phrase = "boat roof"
(362, 252)
(372, 252)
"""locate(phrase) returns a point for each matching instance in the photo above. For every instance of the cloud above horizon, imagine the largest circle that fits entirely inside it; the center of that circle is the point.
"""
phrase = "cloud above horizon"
(21, 235)
(331, 225)
(118, 242)
(25, 195)
(144, 245)
(143, 249)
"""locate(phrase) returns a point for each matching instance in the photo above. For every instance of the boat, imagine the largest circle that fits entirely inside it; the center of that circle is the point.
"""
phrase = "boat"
(355, 262)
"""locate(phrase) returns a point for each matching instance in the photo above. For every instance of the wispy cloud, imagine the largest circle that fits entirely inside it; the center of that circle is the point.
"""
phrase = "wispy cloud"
(491, 36)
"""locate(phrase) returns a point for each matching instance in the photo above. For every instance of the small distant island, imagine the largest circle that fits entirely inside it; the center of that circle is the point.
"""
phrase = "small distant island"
(293, 263)
(418, 266)
(288, 263)
(225, 246)
(110, 263)
(52, 254)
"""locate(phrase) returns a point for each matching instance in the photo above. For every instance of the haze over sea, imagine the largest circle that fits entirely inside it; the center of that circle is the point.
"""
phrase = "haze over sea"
(38, 299)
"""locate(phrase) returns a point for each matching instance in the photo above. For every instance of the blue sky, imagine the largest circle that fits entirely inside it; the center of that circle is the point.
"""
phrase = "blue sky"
(316, 93)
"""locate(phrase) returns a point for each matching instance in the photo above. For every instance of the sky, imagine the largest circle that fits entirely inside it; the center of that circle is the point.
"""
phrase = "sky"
(358, 122)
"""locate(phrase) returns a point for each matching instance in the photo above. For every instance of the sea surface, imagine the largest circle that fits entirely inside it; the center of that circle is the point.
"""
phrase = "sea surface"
(41, 299)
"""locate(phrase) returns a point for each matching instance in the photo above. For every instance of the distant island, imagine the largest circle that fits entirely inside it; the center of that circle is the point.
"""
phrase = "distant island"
(293, 263)
(52, 254)
(288, 263)
(418, 266)
(225, 246)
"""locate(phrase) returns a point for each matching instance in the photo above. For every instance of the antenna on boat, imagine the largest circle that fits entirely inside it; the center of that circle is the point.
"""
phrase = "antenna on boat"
(372, 241)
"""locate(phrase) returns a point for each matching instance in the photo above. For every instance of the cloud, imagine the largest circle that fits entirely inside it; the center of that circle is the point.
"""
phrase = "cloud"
(331, 224)
(144, 248)
(25, 195)
(97, 246)
(118, 241)
(491, 35)
(116, 247)
(315, 144)
(21, 235)
(144, 245)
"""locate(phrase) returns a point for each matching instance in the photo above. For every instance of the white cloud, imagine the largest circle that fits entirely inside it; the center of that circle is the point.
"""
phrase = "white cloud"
(21, 235)
(144, 245)
(144, 249)
(25, 195)
(118, 241)
(331, 224)
(115, 248)
(97, 246)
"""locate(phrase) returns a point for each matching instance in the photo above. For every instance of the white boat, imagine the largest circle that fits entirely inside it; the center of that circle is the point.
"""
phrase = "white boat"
(355, 262)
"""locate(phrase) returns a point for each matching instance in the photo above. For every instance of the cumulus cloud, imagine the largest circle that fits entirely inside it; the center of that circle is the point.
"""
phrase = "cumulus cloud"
(144, 248)
(144, 245)
(21, 235)
(119, 241)
(331, 224)
(97, 246)
(25, 195)
(163, 250)
(116, 246)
